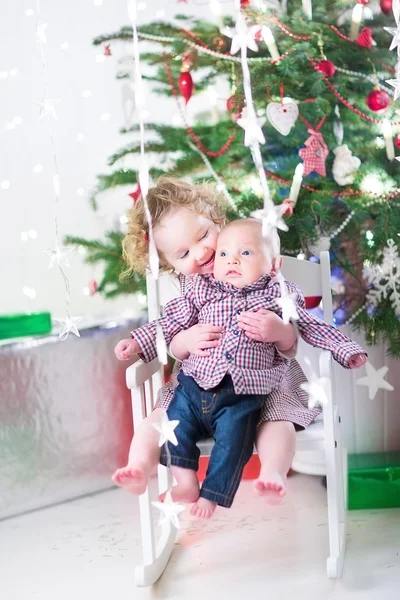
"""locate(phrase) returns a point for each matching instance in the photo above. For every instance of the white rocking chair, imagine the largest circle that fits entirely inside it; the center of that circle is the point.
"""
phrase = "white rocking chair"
(144, 381)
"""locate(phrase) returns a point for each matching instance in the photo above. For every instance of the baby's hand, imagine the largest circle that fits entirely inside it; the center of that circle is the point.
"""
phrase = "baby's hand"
(196, 340)
(126, 348)
(357, 361)
(262, 326)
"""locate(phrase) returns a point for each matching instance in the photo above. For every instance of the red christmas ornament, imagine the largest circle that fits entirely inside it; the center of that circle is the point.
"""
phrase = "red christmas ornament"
(244, 3)
(365, 38)
(386, 6)
(136, 194)
(92, 285)
(234, 104)
(107, 50)
(397, 140)
(327, 67)
(378, 100)
(313, 301)
(363, 2)
(185, 83)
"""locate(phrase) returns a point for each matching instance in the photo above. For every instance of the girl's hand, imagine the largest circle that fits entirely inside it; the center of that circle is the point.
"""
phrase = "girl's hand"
(126, 348)
(357, 361)
(262, 326)
(196, 340)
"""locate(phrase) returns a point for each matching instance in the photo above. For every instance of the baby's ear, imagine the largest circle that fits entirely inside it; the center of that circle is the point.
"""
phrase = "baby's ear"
(276, 265)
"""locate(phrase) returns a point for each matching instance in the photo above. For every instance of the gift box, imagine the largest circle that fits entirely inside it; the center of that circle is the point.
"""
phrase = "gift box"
(374, 480)
(24, 324)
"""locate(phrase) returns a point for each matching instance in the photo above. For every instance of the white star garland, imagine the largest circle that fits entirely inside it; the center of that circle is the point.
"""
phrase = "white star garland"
(47, 108)
(375, 380)
(240, 35)
(252, 128)
(166, 429)
(68, 326)
(58, 255)
(395, 31)
(316, 387)
(271, 219)
(170, 509)
(41, 33)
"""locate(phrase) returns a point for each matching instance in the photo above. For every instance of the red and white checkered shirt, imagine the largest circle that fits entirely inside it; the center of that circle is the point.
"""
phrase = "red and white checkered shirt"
(255, 367)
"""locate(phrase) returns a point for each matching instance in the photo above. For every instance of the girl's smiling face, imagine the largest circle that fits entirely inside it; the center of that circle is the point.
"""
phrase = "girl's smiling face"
(187, 241)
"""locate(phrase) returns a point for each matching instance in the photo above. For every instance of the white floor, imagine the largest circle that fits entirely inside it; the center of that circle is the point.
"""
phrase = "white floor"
(86, 550)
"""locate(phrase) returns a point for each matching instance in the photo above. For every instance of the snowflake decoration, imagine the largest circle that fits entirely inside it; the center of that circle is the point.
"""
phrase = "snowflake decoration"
(385, 278)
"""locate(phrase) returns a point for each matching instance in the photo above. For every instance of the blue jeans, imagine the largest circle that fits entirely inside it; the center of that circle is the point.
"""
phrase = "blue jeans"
(229, 418)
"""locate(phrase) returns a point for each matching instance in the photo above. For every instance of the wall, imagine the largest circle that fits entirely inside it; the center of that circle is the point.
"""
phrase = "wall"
(90, 107)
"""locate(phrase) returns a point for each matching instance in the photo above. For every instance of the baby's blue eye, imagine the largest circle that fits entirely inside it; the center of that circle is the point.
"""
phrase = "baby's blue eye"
(246, 252)
(222, 253)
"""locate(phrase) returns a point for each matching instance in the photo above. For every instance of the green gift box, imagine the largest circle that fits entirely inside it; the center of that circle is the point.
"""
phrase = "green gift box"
(24, 324)
(374, 480)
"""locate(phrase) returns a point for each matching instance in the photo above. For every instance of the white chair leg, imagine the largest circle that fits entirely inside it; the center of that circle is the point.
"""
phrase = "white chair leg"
(147, 574)
(155, 560)
(337, 504)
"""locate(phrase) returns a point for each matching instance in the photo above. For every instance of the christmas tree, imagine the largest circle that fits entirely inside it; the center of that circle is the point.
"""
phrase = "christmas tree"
(324, 86)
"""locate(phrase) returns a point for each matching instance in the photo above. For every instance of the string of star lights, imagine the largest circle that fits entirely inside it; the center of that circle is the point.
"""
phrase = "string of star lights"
(395, 32)
(140, 100)
(242, 38)
(58, 254)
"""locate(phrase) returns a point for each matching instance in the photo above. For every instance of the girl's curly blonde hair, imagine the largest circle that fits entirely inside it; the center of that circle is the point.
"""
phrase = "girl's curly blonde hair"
(168, 193)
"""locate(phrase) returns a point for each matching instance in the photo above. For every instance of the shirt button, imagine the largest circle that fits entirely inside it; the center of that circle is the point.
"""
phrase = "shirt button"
(228, 356)
(235, 331)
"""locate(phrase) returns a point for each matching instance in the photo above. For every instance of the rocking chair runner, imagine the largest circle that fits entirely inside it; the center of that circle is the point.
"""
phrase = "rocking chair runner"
(144, 381)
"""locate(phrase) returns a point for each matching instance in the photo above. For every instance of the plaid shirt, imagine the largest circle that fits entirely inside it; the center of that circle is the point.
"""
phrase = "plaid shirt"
(255, 367)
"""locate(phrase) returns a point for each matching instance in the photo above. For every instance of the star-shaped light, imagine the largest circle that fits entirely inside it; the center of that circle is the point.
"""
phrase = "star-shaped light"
(316, 388)
(170, 509)
(375, 381)
(395, 83)
(271, 219)
(241, 35)
(41, 33)
(166, 430)
(252, 128)
(47, 107)
(69, 326)
(395, 32)
(289, 312)
(58, 255)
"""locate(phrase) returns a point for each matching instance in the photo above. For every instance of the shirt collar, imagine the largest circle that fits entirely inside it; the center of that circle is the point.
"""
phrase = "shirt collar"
(260, 284)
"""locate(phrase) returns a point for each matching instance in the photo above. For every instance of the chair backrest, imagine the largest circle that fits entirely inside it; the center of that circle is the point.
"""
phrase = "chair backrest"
(313, 278)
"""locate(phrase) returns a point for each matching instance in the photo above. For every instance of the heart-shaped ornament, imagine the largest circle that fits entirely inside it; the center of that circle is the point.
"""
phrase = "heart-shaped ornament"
(282, 116)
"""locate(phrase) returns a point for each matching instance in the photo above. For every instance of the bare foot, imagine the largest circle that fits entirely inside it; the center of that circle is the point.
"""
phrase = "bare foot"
(187, 488)
(133, 479)
(203, 509)
(271, 485)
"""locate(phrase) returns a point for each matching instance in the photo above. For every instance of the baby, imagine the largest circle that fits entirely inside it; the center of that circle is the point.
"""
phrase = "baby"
(221, 395)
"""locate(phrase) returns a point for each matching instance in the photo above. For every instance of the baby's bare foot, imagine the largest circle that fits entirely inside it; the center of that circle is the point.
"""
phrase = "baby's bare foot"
(271, 485)
(133, 479)
(203, 509)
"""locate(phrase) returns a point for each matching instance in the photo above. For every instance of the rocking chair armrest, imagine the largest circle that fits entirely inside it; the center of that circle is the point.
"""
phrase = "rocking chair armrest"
(325, 364)
(140, 372)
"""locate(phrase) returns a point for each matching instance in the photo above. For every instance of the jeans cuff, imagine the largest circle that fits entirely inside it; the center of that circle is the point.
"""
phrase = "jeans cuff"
(220, 499)
(179, 461)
